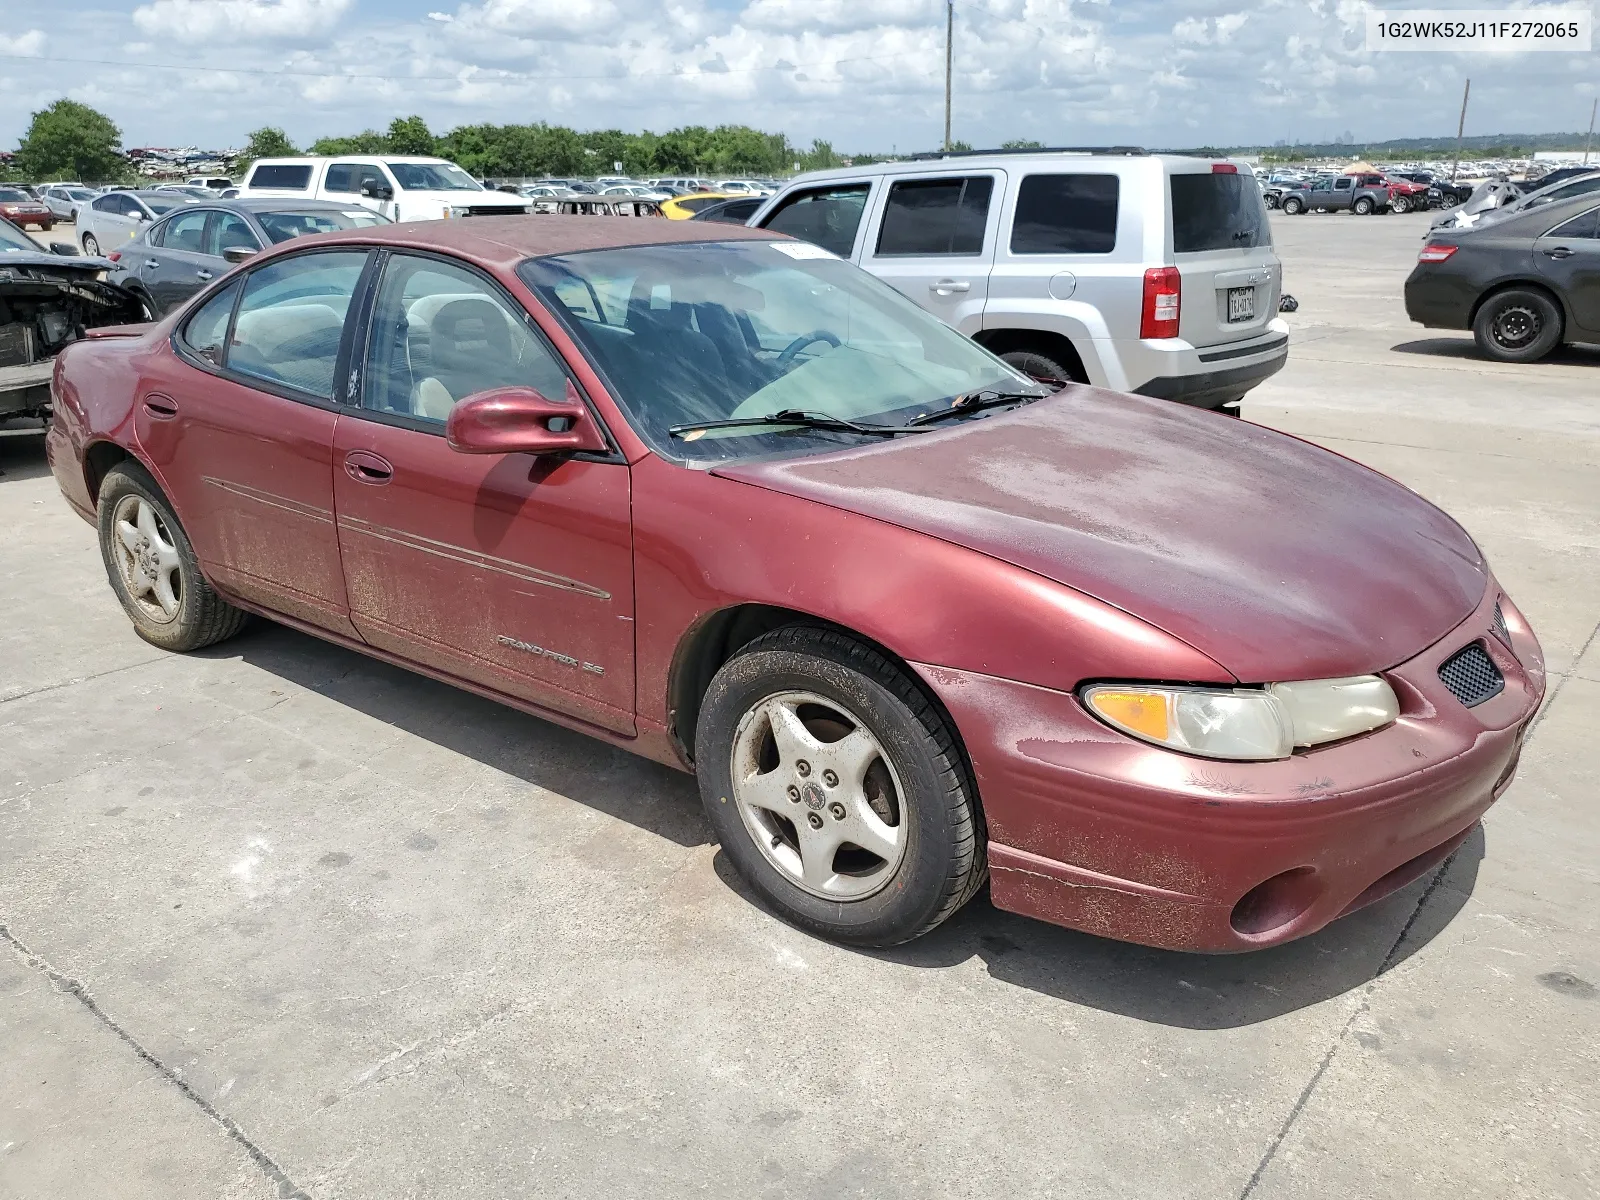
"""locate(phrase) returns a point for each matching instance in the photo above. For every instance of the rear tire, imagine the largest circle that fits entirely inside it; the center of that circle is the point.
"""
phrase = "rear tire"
(1042, 366)
(807, 736)
(1363, 207)
(153, 569)
(1518, 325)
(90, 246)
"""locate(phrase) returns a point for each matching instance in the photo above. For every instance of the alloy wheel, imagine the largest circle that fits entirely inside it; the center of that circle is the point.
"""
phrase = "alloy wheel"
(818, 795)
(90, 246)
(147, 559)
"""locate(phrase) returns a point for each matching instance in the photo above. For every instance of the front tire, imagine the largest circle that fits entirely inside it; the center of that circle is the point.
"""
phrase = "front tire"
(1294, 206)
(153, 569)
(1518, 325)
(1042, 366)
(1400, 204)
(91, 247)
(837, 789)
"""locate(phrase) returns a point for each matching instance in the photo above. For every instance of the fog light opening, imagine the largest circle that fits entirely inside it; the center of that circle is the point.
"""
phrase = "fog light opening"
(1276, 902)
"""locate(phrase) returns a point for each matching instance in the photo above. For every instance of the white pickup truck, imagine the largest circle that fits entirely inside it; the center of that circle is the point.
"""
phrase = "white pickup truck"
(401, 187)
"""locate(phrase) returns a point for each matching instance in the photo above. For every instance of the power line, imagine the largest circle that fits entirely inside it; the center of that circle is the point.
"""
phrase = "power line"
(498, 73)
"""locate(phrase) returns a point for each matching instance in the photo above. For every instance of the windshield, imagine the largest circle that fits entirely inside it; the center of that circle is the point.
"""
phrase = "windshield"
(281, 226)
(432, 177)
(79, 193)
(161, 204)
(13, 239)
(11, 196)
(705, 331)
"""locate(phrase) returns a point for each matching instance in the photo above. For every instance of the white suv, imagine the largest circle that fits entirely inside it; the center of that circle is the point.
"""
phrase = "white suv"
(1139, 272)
(400, 187)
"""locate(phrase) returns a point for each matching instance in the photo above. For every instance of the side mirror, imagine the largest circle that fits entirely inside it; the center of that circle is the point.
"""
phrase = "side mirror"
(515, 420)
(64, 249)
(237, 254)
(374, 190)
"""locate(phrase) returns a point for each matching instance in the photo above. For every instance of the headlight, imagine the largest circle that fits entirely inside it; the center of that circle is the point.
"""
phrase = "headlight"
(1246, 723)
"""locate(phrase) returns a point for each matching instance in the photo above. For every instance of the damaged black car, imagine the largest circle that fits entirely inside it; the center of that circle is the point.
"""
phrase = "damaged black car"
(48, 300)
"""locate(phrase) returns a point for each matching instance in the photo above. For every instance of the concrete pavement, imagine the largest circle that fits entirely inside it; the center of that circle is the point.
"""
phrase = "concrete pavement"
(282, 920)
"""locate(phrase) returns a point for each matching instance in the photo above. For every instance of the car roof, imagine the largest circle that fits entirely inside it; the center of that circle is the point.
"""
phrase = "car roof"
(1107, 157)
(507, 241)
(257, 204)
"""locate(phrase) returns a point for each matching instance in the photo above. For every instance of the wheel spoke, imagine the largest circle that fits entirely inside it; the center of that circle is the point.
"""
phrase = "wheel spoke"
(146, 520)
(128, 536)
(817, 848)
(867, 829)
(165, 596)
(851, 755)
(769, 791)
(793, 739)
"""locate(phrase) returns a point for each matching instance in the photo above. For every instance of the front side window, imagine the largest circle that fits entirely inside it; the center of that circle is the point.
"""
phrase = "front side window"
(347, 178)
(291, 319)
(227, 231)
(441, 333)
(186, 231)
(206, 333)
(935, 216)
(1217, 212)
(825, 216)
(432, 177)
(745, 329)
(1066, 214)
(293, 177)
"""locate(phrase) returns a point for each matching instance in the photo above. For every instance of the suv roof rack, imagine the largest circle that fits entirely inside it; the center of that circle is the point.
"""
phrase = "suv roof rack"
(1125, 151)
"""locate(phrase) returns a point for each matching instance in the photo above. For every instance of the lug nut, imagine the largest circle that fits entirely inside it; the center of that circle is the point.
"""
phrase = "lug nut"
(794, 792)
(803, 767)
(814, 820)
(829, 778)
(837, 810)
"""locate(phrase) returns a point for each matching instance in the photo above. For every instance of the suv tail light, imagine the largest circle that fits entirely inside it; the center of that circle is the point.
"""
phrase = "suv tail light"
(1436, 253)
(1163, 290)
(115, 256)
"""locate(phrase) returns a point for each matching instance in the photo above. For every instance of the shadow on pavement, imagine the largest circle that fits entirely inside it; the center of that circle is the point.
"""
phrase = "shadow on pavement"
(1192, 991)
(1462, 346)
(643, 793)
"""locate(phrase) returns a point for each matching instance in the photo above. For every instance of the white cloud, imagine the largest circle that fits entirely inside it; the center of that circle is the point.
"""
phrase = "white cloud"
(799, 16)
(29, 45)
(214, 20)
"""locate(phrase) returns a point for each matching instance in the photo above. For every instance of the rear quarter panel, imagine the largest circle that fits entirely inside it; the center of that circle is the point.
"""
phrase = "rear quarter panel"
(93, 389)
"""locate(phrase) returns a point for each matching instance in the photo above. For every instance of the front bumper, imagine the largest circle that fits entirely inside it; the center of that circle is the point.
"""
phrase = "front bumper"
(1096, 831)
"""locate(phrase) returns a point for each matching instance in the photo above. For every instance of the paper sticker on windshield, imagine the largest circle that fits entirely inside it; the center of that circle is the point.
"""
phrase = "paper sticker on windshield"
(802, 250)
(359, 213)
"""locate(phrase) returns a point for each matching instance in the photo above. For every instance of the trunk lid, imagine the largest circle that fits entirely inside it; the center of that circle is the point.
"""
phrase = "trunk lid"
(1221, 245)
(1276, 558)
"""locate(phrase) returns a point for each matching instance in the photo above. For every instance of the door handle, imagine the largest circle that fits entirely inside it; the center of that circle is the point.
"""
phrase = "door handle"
(202, 273)
(1560, 252)
(150, 262)
(162, 408)
(366, 467)
(948, 287)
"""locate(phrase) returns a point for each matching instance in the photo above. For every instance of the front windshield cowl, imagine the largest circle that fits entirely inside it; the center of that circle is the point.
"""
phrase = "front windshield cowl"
(712, 332)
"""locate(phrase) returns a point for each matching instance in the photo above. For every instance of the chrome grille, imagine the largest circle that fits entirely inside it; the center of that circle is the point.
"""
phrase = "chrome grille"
(1471, 675)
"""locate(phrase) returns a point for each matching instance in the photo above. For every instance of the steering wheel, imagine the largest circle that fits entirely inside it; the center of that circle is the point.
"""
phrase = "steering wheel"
(801, 342)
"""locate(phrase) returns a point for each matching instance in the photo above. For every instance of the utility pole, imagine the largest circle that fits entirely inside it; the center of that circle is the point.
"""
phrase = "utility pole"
(1460, 126)
(949, 55)
(1589, 137)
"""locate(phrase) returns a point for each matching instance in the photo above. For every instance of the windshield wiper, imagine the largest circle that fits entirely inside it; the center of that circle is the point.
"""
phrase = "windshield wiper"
(791, 416)
(971, 402)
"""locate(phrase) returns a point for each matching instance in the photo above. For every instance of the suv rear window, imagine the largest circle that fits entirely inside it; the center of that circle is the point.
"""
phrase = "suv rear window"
(296, 177)
(936, 216)
(1217, 212)
(1066, 214)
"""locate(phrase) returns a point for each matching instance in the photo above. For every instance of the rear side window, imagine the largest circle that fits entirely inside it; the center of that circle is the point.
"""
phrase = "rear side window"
(1585, 226)
(206, 333)
(935, 216)
(291, 319)
(826, 216)
(1066, 214)
(1217, 212)
(291, 176)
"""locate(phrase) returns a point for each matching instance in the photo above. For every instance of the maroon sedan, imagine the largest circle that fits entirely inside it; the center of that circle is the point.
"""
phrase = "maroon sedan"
(913, 619)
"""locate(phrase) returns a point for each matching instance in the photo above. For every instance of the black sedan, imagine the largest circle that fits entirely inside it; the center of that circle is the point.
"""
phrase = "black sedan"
(1523, 285)
(178, 255)
(731, 212)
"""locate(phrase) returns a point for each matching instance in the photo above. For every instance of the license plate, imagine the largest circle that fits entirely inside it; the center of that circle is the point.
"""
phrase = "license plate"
(1241, 304)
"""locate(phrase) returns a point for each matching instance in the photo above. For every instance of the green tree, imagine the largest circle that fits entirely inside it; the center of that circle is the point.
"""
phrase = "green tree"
(69, 140)
(1022, 144)
(266, 142)
(410, 135)
(369, 141)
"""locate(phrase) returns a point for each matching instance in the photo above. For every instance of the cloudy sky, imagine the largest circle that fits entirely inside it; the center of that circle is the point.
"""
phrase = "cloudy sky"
(865, 74)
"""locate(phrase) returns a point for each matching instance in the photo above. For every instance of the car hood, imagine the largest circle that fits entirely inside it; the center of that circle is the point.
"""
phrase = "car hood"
(68, 266)
(1274, 557)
